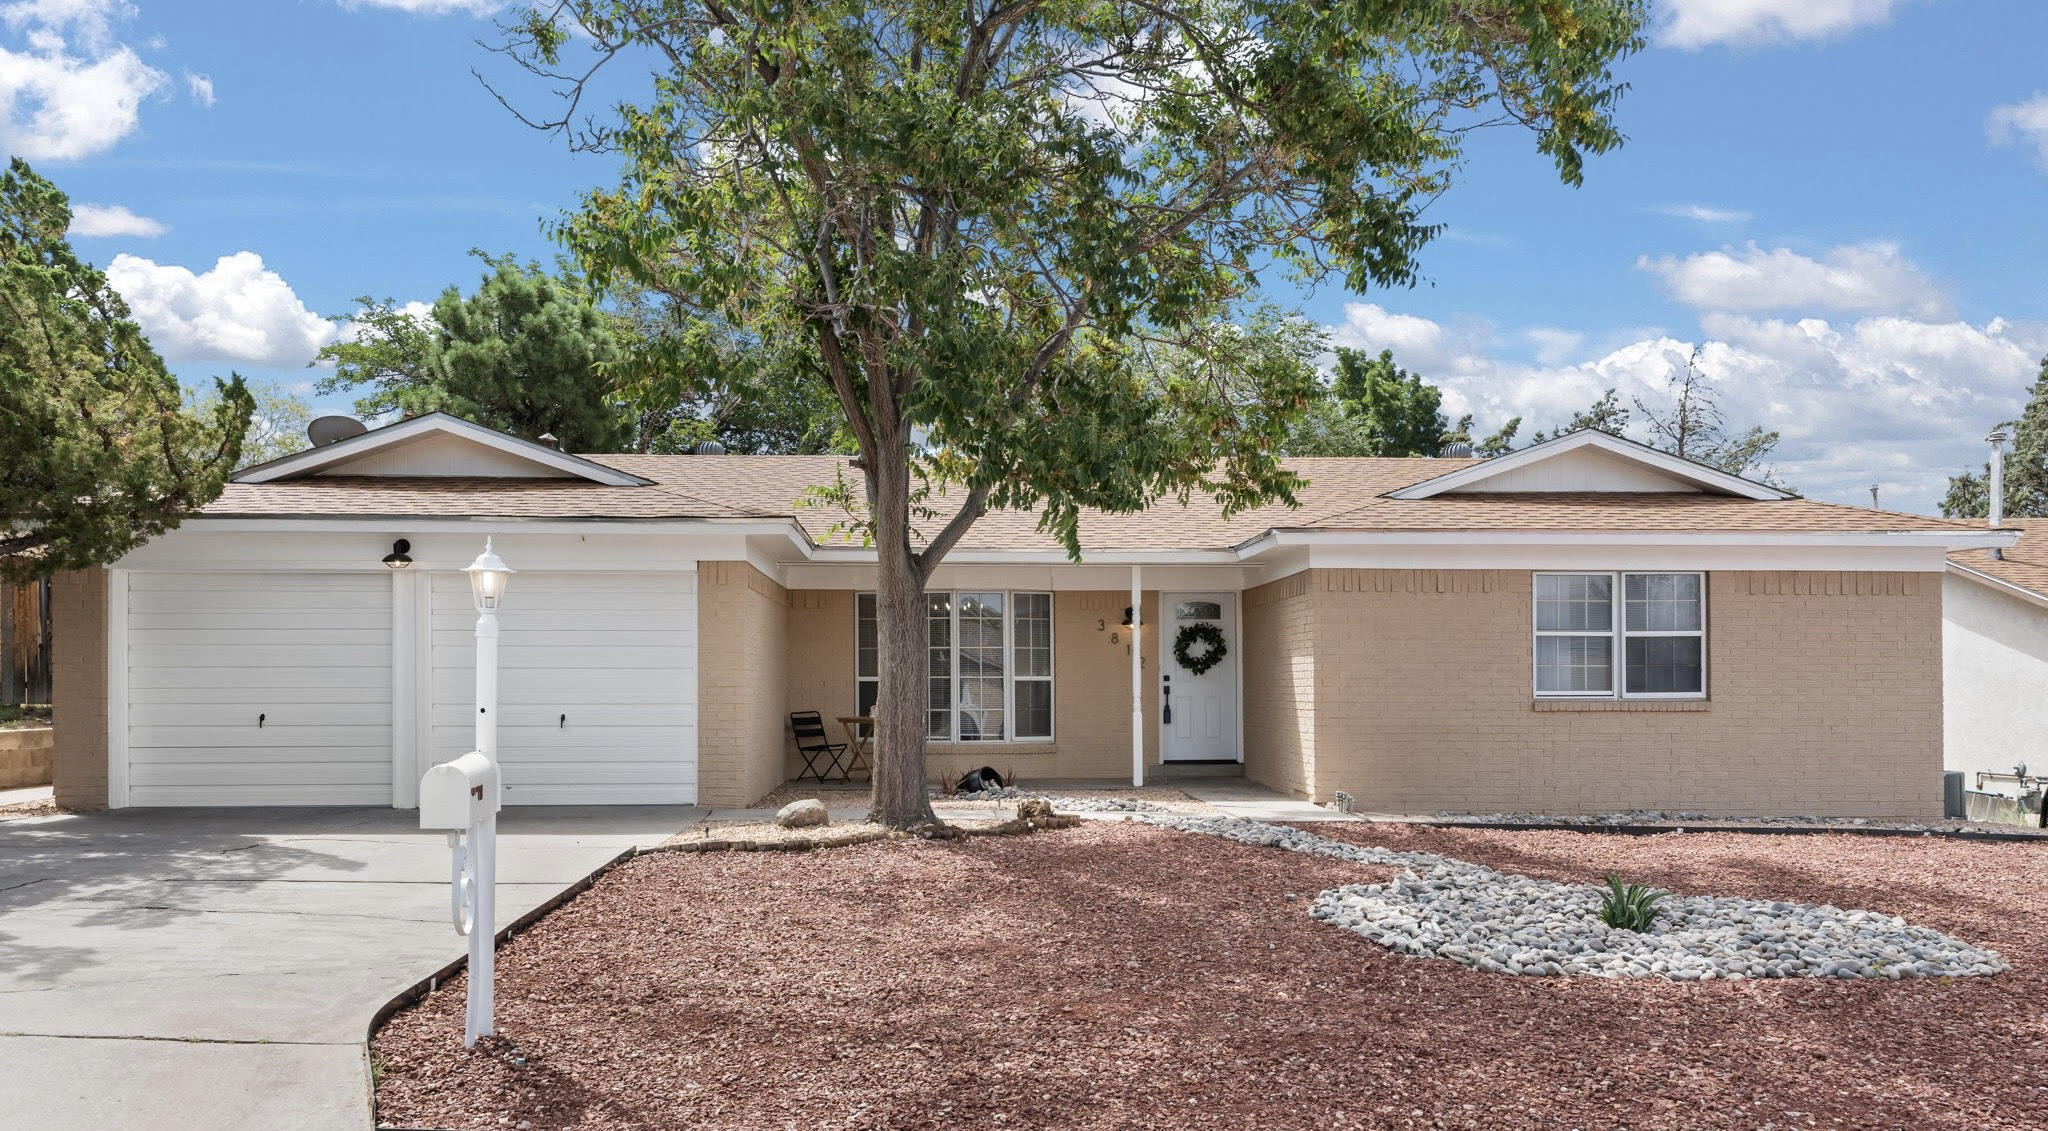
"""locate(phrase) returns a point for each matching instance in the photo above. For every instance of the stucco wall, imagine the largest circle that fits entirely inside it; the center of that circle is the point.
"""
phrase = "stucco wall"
(1091, 687)
(1826, 699)
(1995, 665)
(1279, 665)
(78, 687)
(742, 622)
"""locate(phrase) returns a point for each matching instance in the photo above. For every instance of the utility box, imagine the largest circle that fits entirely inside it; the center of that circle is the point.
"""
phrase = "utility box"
(456, 795)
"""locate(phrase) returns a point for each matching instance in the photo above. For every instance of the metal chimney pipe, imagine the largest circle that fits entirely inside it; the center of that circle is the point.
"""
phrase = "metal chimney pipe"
(1997, 438)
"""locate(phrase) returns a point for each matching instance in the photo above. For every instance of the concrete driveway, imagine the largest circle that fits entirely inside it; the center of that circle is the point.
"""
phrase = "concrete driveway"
(218, 968)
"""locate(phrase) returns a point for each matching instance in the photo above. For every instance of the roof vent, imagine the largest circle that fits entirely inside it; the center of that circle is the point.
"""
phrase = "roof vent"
(549, 439)
(709, 448)
(333, 429)
(1456, 449)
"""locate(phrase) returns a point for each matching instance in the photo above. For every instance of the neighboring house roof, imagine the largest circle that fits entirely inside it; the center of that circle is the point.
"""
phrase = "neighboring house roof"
(2022, 568)
(1361, 496)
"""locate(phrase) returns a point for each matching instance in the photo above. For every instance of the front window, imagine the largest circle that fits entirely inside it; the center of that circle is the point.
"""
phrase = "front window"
(991, 664)
(1625, 635)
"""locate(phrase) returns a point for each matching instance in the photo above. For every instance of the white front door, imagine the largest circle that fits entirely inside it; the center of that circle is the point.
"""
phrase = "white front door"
(1198, 713)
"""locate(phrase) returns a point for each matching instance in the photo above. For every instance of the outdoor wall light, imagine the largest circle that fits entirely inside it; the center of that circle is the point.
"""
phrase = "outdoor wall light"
(488, 575)
(400, 555)
(1127, 616)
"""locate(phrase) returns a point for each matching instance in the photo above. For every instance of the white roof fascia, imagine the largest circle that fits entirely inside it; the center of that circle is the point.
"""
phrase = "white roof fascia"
(376, 439)
(1697, 474)
(1999, 584)
(1930, 539)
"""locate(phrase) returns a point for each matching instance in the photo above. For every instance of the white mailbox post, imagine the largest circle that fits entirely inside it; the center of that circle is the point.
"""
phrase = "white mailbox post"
(463, 797)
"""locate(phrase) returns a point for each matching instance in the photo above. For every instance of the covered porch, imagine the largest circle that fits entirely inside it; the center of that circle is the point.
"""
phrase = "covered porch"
(1055, 673)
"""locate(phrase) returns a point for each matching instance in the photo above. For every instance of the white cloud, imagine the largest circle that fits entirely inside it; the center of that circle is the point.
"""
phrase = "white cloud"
(1868, 278)
(1899, 401)
(1692, 24)
(2023, 122)
(1554, 346)
(1706, 214)
(200, 87)
(112, 220)
(431, 7)
(237, 311)
(69, 91)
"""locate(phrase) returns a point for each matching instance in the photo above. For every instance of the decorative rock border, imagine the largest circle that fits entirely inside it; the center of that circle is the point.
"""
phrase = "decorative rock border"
(1063, 804)
(1439, 907)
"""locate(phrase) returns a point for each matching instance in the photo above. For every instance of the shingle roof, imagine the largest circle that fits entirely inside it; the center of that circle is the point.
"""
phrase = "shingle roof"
(1342, 494)
(2024, 564)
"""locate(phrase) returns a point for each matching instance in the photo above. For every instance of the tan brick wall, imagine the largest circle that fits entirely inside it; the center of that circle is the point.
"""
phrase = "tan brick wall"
(78, 685)
(1091, 687)
(1825, 699)
(1279, 664)
(743, 629)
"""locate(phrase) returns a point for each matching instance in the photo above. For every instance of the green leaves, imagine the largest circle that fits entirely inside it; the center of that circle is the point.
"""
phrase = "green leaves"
(2026, 466)
(523, 353)
(1630, 907)
(1018, 243)
(97, 452)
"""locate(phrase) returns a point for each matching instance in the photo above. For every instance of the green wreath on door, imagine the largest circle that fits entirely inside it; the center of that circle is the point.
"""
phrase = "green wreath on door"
(1200, 632)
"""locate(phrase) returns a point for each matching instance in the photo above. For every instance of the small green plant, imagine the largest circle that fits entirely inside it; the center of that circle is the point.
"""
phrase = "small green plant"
(1631, 907)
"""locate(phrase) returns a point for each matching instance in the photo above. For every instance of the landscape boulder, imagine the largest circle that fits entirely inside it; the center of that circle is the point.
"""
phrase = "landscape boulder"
(802, 814)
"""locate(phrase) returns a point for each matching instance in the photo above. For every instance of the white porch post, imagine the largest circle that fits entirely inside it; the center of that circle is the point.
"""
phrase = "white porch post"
(1137, 676)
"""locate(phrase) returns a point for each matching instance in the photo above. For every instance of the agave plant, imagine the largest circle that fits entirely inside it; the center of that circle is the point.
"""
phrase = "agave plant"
(1631, 907)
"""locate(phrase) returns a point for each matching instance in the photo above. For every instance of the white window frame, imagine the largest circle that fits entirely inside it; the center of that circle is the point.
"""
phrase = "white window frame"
(1010, 677)
(1618, 634)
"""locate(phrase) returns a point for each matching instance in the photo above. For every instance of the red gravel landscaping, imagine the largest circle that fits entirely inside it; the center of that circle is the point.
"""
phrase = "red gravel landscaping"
(1118, 975)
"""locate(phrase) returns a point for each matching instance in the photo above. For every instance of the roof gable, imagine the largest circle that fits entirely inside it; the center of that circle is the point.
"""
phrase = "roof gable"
(437, 445)
(1589, 461)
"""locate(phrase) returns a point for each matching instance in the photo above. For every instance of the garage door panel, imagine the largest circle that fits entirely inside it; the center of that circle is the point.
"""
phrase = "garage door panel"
(255, 755)
(277, 680)
(185, 713)
(275, 774)
(277, 737)
(615, 653)
(309, 653)
(306, 658)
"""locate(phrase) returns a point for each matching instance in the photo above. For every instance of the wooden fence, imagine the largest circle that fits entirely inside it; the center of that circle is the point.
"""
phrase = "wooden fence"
(24, 643)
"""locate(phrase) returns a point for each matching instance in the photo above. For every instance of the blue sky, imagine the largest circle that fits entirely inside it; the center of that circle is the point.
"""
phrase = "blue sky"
(1842, 199)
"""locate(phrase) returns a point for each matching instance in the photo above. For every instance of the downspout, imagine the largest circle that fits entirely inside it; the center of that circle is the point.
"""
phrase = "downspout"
(1998, 438)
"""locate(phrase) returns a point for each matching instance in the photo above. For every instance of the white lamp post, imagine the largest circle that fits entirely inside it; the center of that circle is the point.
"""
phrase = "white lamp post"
(465, 794)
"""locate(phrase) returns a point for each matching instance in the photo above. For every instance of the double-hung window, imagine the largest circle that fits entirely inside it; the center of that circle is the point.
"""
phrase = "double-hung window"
(991, 664)
(1621, 635)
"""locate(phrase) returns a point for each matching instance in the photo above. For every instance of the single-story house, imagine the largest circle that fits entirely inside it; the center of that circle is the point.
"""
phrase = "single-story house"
(1587, 624)
(1995, 657)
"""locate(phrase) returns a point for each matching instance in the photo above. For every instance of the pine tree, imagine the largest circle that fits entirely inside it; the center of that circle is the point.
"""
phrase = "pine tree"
(525, 353)
(2026, 466)
(97, 451)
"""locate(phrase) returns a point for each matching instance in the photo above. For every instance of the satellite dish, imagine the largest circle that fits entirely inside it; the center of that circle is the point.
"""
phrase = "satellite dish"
(330, 429)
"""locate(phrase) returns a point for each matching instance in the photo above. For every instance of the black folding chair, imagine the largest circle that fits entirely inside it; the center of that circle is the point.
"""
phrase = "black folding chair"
(813, 743)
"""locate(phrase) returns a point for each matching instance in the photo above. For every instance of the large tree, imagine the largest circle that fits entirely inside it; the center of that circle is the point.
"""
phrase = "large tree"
(1022, 236)
(1695, 428)
(526, 353)
(690, 379)
(97, 451)
(2026, 466)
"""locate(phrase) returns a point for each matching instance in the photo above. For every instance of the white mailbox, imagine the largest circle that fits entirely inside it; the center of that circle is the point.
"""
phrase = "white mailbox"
(458, 795)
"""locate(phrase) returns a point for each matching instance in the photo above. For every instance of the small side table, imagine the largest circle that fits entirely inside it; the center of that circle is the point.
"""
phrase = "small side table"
(860, 735)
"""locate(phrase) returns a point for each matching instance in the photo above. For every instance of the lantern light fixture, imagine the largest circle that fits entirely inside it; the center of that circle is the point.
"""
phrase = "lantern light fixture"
(488, 575)
(400, 556)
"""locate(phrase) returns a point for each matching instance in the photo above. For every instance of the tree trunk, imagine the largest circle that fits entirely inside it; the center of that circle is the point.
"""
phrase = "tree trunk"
(899, 799)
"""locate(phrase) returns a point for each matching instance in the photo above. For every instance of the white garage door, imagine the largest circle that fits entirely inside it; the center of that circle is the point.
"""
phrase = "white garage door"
(597, 686)
(259, 689)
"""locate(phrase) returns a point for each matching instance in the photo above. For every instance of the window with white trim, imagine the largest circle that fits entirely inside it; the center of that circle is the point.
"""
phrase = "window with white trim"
(1621, 635)
(991, 665)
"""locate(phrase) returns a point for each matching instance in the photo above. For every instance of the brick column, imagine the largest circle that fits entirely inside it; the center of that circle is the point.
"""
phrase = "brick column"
(78, 687)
